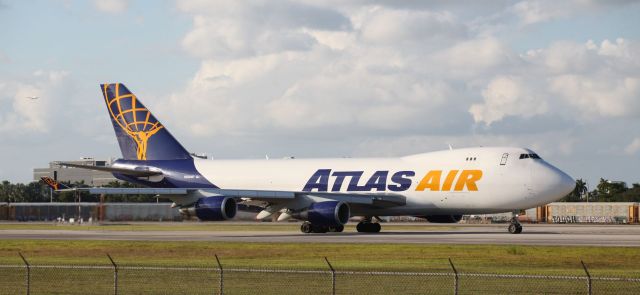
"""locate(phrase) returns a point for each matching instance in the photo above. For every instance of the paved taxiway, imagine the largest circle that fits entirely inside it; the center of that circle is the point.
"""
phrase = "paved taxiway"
(584, 235)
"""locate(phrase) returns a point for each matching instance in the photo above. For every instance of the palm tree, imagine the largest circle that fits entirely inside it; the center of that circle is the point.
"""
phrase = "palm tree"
(581, 189)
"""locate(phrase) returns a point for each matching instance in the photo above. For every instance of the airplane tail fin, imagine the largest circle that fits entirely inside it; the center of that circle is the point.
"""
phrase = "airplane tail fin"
(53, 184)
(140, 135)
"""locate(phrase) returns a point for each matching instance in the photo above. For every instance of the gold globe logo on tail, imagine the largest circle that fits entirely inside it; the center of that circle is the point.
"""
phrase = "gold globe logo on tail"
(133, 118)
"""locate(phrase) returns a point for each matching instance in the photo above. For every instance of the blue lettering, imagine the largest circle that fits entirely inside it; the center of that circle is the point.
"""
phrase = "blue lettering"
(341, 175)
(353, 183)
(319, 181)
(378, 181)
(401, 180)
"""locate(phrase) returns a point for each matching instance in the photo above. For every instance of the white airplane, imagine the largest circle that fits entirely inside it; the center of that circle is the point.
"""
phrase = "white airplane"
(32, 97)
(324, 193)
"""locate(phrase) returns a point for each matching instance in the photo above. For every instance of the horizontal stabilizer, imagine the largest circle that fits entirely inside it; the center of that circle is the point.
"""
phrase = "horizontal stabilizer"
(53, 184)
(125, 171)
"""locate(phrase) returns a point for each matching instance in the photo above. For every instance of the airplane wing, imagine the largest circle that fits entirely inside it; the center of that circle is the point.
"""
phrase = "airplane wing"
(379, 200)
(125, 171)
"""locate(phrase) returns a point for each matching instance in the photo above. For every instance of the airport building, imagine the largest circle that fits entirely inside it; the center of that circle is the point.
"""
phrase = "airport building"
(73, 175)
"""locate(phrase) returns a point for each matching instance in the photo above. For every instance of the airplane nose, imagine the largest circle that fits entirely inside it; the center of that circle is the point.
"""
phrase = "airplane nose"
(554, 184)
(567, 183)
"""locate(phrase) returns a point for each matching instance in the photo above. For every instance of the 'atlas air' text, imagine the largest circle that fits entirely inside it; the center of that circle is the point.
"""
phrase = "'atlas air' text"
(325, 180)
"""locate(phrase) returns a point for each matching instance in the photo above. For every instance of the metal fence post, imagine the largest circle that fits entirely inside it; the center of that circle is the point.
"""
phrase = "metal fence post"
(333, 277)
(589, 286)
(28, 276)
(455, 277)
(221, 274)
(115, 275)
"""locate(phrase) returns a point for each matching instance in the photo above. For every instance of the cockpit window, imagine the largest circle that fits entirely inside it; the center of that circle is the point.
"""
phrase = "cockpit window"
(527, 156)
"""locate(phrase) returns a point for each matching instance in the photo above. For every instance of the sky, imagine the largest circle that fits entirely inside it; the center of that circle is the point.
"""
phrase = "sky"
(352, 78)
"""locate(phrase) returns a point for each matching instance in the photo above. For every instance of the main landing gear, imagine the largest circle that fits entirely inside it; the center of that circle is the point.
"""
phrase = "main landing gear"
(367, 226)
(307, 228)
(515, 227)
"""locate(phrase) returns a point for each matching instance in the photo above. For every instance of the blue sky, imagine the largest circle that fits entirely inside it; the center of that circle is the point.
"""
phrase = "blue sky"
(242, 79)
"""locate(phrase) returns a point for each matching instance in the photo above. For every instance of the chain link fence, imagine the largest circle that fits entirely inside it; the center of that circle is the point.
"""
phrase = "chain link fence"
(128, 279)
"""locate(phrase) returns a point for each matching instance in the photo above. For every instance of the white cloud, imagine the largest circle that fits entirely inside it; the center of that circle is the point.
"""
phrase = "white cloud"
(602, 96)
(569, 57)
(633, 147)
(385, 68)
(243, 29)
(111, 6)
(390, 26)
(26, 115)
(472, 58)
(531, 12)
(352, 74)
(578, 81)
(507, 96)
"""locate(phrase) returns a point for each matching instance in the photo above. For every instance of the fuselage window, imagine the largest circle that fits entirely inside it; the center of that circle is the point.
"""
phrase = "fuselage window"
(527, 156)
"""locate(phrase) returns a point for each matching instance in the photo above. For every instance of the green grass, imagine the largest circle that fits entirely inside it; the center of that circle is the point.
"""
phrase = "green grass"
(545, 260)
(394, 257)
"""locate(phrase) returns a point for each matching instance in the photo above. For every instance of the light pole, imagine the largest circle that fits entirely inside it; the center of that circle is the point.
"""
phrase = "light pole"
(586, 186)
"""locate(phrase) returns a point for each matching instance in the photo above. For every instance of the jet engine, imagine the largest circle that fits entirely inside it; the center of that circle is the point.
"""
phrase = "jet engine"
(442, 218)
(212, 208)
(329, 213)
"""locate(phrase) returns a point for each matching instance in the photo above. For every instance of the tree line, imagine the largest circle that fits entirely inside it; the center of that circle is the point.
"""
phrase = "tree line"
(39, 192)
(605, 191)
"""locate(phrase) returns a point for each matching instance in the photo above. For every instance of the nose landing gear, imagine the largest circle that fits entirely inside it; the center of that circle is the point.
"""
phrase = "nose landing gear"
(515, 227)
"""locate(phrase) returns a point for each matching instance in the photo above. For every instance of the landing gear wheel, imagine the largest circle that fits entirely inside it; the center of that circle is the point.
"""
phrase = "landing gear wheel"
(376, 227)
(306, 227)
(515, 227)
(368, 227)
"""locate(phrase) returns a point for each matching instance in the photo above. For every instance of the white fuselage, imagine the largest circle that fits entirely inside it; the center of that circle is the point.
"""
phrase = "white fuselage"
(460, 181)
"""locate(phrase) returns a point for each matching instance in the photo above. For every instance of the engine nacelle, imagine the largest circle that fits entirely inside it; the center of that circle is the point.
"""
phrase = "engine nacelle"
(329, 213)
(442, 218)
(212, 208)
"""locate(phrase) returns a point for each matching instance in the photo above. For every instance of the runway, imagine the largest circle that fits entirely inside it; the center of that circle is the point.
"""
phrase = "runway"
(575, 235)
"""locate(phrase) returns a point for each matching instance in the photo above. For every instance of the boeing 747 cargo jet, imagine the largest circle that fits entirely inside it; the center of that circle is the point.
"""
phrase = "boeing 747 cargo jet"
(324, 193)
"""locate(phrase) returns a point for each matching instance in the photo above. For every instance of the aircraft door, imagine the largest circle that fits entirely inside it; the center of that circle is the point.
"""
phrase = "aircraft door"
(504, 159)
